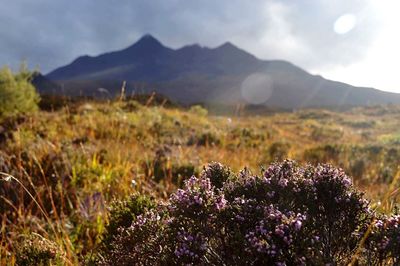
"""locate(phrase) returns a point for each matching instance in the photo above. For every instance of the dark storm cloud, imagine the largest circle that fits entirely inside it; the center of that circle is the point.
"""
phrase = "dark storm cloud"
(49, 33)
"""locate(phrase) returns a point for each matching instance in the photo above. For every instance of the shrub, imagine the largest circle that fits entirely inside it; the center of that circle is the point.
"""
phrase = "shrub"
(383, 244)
(289, 215)
(139, 244)
(325, 153)
(163, 169)
(323, 194)
(123, 213)
(17, 94)
(218, 174)
(198, 110)
(181, 172)
(36, 250)
(204, 139)
(278, 150)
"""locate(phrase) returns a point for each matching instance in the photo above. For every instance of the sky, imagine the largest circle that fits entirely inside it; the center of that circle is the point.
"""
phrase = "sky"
(353, 41)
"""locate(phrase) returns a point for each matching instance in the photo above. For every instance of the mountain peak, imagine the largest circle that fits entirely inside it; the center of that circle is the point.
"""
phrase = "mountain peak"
(147, 42)
(227, 45)
(148, 39)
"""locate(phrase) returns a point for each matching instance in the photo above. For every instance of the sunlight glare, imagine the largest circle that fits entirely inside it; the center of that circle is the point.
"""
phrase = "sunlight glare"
(344, 23)
(379, 67)
(257, 88)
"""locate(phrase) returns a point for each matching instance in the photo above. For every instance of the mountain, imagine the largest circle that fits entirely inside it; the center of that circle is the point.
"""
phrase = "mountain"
(196, 74)
(45, 85)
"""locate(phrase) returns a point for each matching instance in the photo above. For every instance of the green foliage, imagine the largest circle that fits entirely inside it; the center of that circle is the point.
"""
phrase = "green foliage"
(198, 110)
(218, 174)
(17, 94)
(123, 213)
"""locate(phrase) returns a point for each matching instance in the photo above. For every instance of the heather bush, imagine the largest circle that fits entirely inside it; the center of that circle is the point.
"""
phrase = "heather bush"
(383, 243)
(218, 174)
(123, 213)
(36, 250)
(323, 194)
(290, 215)
(141, 243)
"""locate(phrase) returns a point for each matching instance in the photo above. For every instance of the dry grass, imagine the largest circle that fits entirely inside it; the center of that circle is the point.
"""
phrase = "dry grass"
(69, 164)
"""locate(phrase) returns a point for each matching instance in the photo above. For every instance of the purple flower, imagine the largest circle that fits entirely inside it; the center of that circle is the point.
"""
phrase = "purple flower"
(220, 202)
(279, 232)
(283, 182)
(297, 225)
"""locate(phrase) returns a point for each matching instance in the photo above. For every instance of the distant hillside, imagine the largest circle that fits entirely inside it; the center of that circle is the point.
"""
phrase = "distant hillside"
(193, 74)
(45, 85)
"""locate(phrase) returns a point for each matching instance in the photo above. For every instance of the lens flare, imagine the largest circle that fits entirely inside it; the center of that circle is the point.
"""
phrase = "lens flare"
(344, 23)
(257, 88)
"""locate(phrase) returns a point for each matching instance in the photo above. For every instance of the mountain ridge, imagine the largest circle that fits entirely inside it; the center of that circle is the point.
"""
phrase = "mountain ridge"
(224, 74)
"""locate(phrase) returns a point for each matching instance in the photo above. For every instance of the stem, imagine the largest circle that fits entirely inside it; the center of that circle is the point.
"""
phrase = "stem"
(8, 177)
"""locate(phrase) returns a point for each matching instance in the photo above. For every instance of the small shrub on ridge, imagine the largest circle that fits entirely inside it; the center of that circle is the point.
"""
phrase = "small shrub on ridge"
(17, 94)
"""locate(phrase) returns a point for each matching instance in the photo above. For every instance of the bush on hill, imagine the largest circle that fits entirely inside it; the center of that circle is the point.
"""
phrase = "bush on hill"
(17, 94)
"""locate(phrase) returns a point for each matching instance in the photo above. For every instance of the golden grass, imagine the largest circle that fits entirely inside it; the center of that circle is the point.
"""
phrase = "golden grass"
(74, 161)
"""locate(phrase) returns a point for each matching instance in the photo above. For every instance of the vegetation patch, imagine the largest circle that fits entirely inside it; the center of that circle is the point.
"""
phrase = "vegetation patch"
(289, 215)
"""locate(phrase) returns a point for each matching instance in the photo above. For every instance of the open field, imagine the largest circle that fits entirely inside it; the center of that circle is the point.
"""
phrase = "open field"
(74, 161)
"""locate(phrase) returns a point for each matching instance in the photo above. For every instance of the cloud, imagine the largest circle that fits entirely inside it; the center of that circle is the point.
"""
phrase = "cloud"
(304, 33)
(52, 33)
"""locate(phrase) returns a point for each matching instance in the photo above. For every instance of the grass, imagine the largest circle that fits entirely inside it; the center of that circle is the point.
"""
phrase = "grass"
(68, 165)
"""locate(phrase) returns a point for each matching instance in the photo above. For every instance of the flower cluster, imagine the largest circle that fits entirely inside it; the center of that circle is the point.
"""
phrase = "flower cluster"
(272, 237)
(189, 247)
(383, 242)
(198, 199)
(290, 215)
(139, 244)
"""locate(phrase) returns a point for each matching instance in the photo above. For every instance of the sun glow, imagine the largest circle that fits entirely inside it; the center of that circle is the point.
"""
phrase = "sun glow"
(344, 24)
(380, 67)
